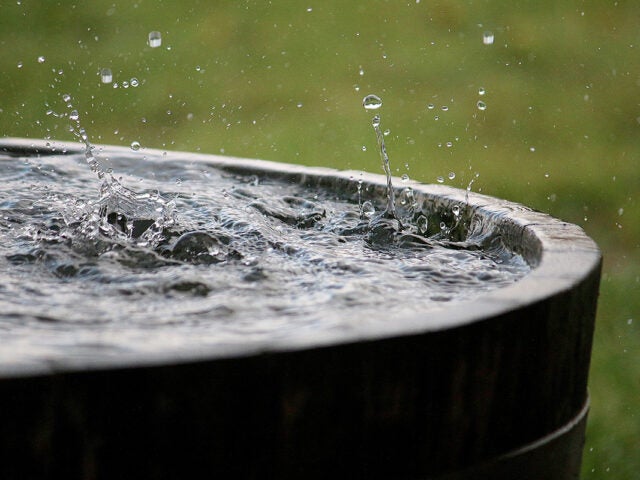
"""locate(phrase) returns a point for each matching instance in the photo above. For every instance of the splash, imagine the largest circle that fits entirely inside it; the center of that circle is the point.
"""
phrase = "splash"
(119, 212)
(373, 102)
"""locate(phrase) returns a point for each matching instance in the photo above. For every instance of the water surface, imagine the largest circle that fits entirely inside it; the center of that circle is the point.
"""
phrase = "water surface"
(174, 255)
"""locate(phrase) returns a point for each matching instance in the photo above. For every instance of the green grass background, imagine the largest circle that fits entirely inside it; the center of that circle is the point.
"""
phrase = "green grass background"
(284, 80)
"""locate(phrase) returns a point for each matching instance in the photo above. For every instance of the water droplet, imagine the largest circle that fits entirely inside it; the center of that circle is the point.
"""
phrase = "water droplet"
(481, 105)
(386, 132)
(455, 210)
(431, 106)
(135, 146)
(405, 177)
(74, 115)
(443, 226)
(309, 9)
(422, 223)
(532, 149)
(452, 175)
(630, 321)
(620, 211)
(19, 64)
(361, 71)
(487, 38)
(368, 209)
(41, 59)
(376, 121)
(481, 91)
(440, 179)
(449, 144)
(106, 76)
(134, 82)
(66, 97)
(371, 102)
(299, 105)
(364, 148)
(125, 84)
(445, 108)
(155, 39)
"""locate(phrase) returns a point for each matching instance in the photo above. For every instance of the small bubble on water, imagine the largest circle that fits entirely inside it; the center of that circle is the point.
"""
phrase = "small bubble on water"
(135, 145)
(452, 175)
(371, 102)
(440, 179)
(487, 38)
(106, 76)
(41, 59)
(481, 105)
(481, 91)
(155, 39)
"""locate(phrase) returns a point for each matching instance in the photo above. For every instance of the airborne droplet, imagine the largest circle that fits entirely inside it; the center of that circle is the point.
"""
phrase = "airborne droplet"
(155, 39)
(371, 102)
(487, 38)
(106, 76)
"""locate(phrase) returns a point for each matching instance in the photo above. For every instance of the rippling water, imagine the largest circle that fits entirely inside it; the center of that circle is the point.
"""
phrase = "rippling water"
(177, 255)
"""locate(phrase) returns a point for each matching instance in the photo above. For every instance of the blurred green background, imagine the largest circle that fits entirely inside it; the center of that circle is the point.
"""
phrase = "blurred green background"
(284, 80)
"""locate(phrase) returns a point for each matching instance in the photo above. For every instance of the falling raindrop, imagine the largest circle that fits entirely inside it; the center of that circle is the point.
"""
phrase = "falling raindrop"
(371, 102)
(155, 39)
(106, 76)
(487, 38)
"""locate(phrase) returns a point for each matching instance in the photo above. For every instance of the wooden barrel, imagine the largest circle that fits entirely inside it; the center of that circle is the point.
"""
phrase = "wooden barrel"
(494, 387)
